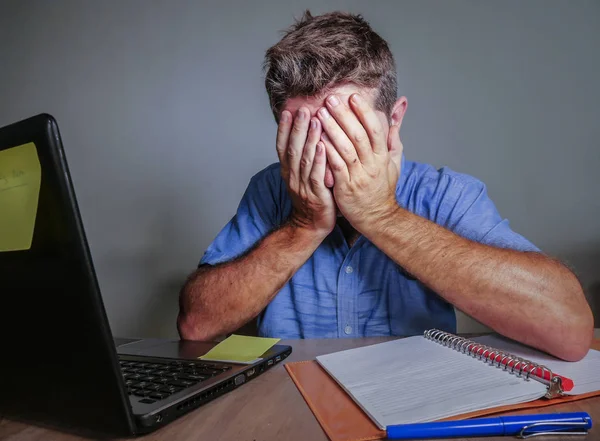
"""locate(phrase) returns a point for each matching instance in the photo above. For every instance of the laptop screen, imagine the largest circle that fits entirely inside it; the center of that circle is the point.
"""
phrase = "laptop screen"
(59, 364)
(41, 262)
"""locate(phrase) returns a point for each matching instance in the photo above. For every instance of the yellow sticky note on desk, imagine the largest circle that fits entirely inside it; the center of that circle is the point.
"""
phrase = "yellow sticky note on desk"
(20, 178)
(240, 349)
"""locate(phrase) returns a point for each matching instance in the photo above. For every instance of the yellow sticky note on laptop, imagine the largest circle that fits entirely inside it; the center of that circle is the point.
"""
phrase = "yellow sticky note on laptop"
(240, 349)
(20, 178)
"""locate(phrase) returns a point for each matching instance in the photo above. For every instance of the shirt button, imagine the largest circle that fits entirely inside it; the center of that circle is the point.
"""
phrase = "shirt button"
(349, 270)
(348, 329)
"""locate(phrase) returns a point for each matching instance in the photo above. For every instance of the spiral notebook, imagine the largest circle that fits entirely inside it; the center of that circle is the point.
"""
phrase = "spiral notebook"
(432, 377)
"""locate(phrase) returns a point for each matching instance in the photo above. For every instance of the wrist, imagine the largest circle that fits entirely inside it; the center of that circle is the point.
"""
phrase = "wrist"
(382, 219)
(305, 234)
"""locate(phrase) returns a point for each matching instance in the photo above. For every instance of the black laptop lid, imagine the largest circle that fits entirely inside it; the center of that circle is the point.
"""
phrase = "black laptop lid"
(59, 366)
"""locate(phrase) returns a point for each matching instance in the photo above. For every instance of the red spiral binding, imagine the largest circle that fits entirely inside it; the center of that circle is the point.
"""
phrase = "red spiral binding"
(508, 362)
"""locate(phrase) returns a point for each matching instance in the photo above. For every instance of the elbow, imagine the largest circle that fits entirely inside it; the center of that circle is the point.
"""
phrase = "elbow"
(190, 321)
(574, 322)
(579, 337)
(577, 333)
(186, 329)
(576, 351)
(191, 328)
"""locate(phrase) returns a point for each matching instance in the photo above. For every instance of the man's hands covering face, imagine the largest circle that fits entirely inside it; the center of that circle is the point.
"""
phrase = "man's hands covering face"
(303, 162)
(352, 143)
(365, 164)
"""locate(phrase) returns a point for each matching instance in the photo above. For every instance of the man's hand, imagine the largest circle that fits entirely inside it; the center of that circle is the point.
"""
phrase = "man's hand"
(303, 163)
(364, 163)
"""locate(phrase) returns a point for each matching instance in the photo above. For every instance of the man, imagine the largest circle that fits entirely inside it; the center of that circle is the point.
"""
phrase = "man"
(346, 238)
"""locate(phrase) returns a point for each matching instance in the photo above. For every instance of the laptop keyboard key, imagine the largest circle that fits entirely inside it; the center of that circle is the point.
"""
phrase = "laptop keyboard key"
(170, 389)
(132, 376)
(209, 372)
(147, 378)
(181, 383)
(141, 393)
(194, 378)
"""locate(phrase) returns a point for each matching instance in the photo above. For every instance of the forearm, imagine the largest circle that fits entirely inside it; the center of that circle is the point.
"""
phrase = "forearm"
(520, 295)
(217, 300)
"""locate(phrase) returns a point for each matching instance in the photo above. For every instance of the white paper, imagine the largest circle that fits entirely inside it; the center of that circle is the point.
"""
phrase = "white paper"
(416, 380)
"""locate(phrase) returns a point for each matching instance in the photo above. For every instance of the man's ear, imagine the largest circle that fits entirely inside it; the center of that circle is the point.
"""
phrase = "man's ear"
(395, 146)
(398, 112)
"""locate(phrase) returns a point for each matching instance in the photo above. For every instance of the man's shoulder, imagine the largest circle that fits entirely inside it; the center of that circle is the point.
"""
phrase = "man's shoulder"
(270, 172)
(421, 176)
(269, 177)
(438, 194)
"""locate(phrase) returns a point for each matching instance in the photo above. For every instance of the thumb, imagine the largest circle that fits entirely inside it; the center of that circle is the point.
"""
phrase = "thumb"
(395, 146)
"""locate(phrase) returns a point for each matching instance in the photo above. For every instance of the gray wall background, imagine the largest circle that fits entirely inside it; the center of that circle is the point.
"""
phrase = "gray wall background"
(164, 117)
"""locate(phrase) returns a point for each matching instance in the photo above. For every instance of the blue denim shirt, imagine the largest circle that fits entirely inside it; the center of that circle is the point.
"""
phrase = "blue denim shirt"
(359, 291)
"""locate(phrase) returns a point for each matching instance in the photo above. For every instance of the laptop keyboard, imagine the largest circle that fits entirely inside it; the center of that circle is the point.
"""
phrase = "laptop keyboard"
(153, 381)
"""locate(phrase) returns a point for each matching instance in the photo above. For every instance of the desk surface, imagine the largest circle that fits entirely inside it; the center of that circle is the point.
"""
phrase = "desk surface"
(268, 408)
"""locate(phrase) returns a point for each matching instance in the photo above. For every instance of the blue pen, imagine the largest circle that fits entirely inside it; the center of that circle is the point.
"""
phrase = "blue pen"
(521, 425)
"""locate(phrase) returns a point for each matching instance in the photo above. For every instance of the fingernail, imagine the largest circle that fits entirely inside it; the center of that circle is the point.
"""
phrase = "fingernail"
(313, 124)
(324, 113)
(319, 148)
(324, 137)
(333, 100)
(357, 98)
(301, 115)
(285, 117)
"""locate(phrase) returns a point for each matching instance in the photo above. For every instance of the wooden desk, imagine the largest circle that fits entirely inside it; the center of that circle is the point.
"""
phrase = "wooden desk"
(268, 408)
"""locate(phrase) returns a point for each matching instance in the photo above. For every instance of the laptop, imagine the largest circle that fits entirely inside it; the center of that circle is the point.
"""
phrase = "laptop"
(60, 365)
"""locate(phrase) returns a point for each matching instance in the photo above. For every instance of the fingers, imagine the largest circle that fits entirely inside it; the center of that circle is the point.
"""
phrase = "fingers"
(370, 122)
(306, 163)
(329, 181)
(317, 174)
(338, 166)
(352, 127)
(295, 146)
(338, 139)
(283, 134)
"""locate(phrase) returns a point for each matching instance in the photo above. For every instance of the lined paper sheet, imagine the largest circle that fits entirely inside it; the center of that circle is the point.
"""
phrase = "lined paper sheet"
(585, 373)
(416, 380)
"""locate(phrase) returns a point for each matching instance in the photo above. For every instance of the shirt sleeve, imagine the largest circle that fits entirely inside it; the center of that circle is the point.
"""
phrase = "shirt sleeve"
(257, 214)
(466, 209)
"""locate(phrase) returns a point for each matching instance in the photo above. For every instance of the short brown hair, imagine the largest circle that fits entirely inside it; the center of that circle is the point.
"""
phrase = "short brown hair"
(324, 51)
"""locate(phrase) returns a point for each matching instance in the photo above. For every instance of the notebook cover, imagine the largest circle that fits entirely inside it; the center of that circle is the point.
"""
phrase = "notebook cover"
(342, 419)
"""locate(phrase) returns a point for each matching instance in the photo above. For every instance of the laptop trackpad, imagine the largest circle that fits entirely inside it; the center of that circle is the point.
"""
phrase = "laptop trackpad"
(124, 341)
(155, 347)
